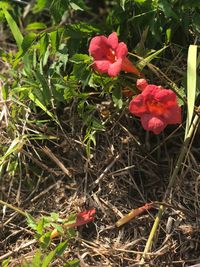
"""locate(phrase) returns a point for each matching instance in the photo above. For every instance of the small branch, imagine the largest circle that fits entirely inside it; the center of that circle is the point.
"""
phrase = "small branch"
(10, 253)
(13, 207)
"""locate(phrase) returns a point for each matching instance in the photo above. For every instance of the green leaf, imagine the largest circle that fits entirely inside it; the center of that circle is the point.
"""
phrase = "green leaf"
(61, 248)
(39, 104)
(72, 263)
(40, 5)
(75, 6)
(148, 59)
(80, 58)
(48, 258)
(40, 227)
(166, 7)
(5, 263)
(122, 4)
(31, 221)
(36, 26)
(191, 84)
(14, 28)
(37, 259)
(28, 41)
(117, 97)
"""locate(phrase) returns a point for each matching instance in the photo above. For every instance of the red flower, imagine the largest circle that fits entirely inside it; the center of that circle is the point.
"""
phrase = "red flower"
(110, 56)
(157, 107)
(84, 217)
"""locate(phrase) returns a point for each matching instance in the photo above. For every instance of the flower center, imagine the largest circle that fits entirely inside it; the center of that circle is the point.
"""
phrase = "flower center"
(111, 55)
(155, 107)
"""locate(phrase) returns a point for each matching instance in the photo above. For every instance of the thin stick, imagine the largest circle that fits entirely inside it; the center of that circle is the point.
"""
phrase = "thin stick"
(13, 207)
(10, 253)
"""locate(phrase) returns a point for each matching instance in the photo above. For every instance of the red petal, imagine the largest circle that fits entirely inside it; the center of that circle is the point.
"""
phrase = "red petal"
(115, 68)
(98, 47)
(84, 217)
(101, 66)
(141, 84)
(154, 124)
(173, 115)
(165, 95)
(113, 40)
(122, 50)
(128, 66)
(137, 106)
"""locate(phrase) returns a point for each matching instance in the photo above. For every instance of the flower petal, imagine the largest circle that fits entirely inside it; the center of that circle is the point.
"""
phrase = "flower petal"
(137, 106)
(113, 40)
(141, 84)
(165, 95)
(122, 50)
(101, 66)
(98, 47)
(173, 115)
(115, 68)
(153, 124)
(128, 66)
(84, 217)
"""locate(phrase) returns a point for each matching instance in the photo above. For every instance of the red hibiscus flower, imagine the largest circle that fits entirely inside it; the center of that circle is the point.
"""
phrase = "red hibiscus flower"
(110, 56)
(157, 107)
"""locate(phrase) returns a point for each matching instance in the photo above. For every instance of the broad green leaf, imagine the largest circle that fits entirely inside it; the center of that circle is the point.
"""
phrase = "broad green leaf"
(36, 26)
(14, 28)
(61, 248)
(191, 84)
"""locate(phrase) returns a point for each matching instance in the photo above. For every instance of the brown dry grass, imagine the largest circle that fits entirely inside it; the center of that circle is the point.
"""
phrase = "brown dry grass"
(128, 176)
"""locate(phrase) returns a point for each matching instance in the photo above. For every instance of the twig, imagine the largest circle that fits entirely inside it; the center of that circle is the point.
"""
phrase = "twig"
(10, 253)
(12, 207)
(49, 153)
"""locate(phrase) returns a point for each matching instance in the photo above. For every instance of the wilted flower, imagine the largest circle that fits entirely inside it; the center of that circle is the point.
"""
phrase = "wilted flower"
(157, 107)
(82, 218)
(110, 56)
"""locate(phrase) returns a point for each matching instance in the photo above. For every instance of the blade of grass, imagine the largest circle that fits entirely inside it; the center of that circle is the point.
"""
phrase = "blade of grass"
(191, 84)
(14, 28)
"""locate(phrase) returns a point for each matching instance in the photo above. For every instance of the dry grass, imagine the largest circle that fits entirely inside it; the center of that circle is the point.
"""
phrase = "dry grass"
(127, 169)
